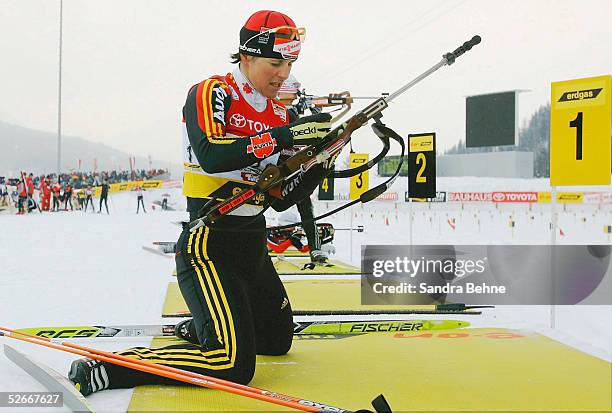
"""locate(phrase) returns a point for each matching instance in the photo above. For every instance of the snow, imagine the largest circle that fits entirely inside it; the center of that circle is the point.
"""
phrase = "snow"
(71, 268)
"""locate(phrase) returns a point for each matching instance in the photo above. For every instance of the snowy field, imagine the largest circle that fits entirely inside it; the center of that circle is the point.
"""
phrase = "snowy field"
(72, 268)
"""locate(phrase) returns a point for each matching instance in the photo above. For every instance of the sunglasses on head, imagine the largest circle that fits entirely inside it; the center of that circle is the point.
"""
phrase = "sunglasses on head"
(289, 32)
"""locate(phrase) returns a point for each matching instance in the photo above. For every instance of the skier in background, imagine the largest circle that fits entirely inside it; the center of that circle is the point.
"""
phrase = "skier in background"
(288, 93)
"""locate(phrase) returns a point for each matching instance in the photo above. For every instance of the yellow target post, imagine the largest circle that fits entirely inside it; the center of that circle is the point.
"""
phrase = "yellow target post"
(580, 118)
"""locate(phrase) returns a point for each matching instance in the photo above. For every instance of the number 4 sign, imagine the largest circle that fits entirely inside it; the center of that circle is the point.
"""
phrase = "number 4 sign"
(580, 117)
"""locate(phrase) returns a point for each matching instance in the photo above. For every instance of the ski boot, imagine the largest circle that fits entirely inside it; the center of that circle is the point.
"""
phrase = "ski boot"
(317, 258)
(88, 376)
(186, 330)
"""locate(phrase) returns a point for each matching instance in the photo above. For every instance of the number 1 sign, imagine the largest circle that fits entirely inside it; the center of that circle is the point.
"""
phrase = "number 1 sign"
(580, 117)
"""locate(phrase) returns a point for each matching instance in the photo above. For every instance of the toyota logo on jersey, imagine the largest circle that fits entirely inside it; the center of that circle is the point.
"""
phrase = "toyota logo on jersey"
(237, 120)
(262, 145)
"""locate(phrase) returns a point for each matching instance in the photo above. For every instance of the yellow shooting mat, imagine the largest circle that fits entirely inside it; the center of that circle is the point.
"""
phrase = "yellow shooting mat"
(304, 295)
(459, 370)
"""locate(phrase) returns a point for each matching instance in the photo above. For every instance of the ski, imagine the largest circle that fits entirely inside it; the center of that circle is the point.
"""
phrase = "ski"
(439, 309)
(51, 379)
(379, 326)
(390, 312)
(101, 331)
(301, 327)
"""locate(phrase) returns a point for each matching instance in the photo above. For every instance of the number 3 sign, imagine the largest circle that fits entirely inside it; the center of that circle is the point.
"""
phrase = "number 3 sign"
(361, 182)
(580, 117)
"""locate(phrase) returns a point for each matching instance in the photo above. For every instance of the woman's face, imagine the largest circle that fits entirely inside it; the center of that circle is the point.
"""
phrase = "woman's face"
(266, 75)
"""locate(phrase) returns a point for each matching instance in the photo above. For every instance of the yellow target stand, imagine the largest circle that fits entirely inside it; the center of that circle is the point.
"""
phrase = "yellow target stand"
(580, 132)
(359, 183)
(580, 125)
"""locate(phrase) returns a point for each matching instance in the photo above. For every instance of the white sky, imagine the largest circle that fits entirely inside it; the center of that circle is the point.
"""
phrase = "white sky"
(127, 64)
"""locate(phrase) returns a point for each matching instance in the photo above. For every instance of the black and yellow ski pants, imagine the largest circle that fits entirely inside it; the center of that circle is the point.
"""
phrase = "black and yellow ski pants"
(238, 303)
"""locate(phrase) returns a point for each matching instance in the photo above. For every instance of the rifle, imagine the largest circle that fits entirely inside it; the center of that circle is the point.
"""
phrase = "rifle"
(327, 149)
(306, 101)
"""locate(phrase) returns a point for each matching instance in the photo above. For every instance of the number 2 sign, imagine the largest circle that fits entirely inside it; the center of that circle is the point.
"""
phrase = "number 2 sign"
(422, 165)
(580, 117)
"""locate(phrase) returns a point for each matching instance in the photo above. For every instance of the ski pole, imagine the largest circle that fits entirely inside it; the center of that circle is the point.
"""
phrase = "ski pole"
(178, 374)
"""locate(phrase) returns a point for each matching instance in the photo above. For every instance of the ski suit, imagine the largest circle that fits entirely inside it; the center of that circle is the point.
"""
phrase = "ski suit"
(238, 302)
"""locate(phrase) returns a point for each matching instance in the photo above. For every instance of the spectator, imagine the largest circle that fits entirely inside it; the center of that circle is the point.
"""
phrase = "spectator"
(56, 189)
(164, 203)
(45, 194)
(23, 195)
(68, 197)
(140, 199)
(80, 193)
(20, 190)
(88, 200)
(104, 196)
(3, 192)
